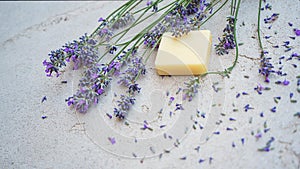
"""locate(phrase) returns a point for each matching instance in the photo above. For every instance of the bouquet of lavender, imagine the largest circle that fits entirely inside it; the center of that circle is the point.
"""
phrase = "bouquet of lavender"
(178, 17)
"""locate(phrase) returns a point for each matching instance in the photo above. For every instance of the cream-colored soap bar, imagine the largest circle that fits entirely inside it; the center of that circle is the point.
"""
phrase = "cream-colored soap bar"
(185, 55)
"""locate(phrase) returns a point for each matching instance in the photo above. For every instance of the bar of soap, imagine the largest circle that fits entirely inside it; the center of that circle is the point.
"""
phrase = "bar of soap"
(185, 55)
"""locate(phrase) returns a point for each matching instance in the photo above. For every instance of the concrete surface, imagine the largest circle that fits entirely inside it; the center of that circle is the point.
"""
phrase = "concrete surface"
(65, 139)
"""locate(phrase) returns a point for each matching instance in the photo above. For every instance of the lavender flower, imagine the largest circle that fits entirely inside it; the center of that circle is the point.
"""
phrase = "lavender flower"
(226, 42)
(112, 140)
(266, 68)
(122, 21)
(180, 21)
(191, 89)
(91, 86)
(124, 105)
(82, 53)
(105, 34)
(129, 77)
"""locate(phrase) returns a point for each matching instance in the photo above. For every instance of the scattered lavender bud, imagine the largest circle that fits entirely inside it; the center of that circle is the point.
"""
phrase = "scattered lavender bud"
(203, 115)
(162, 126)
(233, 144)
(178, 107)
(171, 100)
(261, 114)
(297, 32)
(272, 19)
(267, 37)
(64, 82)
(201, 160)
(290, 24)
(232, 119)
(297, 114)
(183, 158)
(266, 130)
(291, 95)
(210, 160)
(152, 150)
(286, 82)
(44, 117)
(101, 19)
(238, 95)
(179, 89)
(216, 132)
(268, 6)
(243, 140)
(109, 116)
(134, 155)
(273, 109)
(248, 107)
(44, 99)
(112, 140)
(276, 99)
(267, 148)
(258, 135)
(292, 37)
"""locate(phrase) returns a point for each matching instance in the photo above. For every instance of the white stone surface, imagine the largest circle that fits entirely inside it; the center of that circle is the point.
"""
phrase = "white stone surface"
(29, 30)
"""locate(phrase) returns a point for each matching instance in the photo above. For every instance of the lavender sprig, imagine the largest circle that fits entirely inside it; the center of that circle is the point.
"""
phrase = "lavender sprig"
(191, 89)
(226, 42)
(84, 52)
(124, 105)
(81, 53)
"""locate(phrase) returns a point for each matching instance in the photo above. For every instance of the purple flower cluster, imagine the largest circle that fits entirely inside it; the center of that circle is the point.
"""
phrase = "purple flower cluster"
(82, 53)
(191, 89)
(129, 77)
(93, 84)
(226, 42)
(180, 21)
(124, 105)
(125, 20)
(266, 68)
(107, 27)
(57, 60)
(105, 34)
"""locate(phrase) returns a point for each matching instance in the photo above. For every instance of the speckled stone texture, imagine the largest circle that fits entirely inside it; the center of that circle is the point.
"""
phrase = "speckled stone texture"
(65, 139)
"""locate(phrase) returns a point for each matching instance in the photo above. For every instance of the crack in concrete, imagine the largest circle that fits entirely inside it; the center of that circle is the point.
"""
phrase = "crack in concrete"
(247, 57)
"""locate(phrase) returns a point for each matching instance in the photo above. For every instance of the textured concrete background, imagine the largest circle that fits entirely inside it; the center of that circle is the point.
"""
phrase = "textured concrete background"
(29, 30)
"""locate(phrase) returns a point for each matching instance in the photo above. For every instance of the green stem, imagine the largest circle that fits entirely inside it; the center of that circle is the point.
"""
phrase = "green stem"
(127, 30)
(229, 69)
(235, 40)
(110, 15)
(214, 12)
(258, 29)
(133, 25)
(231, 8)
